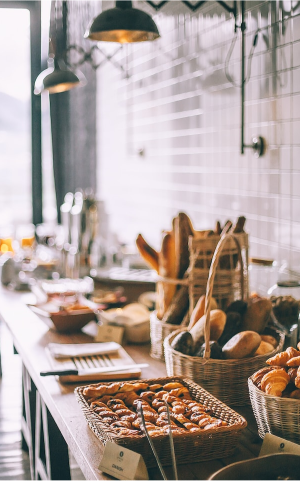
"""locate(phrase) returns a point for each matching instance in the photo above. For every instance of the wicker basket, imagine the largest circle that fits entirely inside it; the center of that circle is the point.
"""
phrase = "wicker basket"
(158, 332)
(189, 447)
(227, 285)
(275, 415)
(225, 379)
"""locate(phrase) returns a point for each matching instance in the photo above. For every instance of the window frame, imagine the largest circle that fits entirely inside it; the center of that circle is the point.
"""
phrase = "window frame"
(34, 8)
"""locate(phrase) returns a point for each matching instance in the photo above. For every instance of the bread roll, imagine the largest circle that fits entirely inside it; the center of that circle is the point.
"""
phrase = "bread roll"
(198, 311)
(257, 315)
(264, 348)
(269, 339)
(243, 344)
(216, 322)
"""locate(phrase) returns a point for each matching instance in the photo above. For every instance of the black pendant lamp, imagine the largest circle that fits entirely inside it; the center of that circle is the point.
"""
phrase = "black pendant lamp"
(58, 78)
(123, 24)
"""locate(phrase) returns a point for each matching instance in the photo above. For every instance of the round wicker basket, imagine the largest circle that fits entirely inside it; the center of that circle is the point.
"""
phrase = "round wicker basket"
(275, 415)
(225, 379)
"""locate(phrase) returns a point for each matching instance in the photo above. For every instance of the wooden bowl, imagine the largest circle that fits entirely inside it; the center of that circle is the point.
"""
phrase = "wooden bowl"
(72, 320)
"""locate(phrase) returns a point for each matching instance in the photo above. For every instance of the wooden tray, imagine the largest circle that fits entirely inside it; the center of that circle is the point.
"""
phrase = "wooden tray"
(189, 447)
(119, 358)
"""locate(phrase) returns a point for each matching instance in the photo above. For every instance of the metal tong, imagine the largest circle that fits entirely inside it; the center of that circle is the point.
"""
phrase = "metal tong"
(144, 428)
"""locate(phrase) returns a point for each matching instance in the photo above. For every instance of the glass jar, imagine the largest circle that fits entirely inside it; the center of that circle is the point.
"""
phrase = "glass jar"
(263, 273)
(285, 297)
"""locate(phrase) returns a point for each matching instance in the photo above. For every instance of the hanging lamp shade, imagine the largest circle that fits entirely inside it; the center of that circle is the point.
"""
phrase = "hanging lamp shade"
(123, 24)
(57, 78)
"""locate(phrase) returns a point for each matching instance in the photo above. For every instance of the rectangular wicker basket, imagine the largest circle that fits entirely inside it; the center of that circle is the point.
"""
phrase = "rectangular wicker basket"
(275, 415)
(189, 447)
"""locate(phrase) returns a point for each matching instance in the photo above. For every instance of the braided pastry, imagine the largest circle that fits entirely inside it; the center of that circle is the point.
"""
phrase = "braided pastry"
(123, 412)
(155, 387)
(130, 418)
(190, 426)
(180, 392)
(275, 382)
(127, 397)
(122, 424)
(147, 395)
(157, 403)
(128, 432)
(172, 385)
(113, 402)
(160, 394)
(98, 404)
(206, 421)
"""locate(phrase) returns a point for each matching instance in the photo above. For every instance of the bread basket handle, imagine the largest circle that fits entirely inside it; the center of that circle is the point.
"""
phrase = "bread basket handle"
(210, 283)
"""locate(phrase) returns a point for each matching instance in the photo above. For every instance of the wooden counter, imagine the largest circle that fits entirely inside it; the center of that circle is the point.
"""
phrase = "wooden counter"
(31, 335)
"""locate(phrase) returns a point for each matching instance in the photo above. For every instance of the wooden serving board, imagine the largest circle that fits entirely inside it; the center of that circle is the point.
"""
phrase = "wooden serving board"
(119, 358)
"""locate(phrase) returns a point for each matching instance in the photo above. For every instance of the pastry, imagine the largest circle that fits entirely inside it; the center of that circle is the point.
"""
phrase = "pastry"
(275, 382)
(172, 385)
(294, 362)
(282, 358)
(257, 377)
(119, 412)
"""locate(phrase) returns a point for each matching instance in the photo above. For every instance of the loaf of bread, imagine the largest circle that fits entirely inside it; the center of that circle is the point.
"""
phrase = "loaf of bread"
(217, 323)
(257, 315)
(198, 310)
(264, 348)
(244, 344)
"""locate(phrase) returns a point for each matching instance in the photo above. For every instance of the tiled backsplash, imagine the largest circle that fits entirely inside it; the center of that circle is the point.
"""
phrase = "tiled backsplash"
(169, 135)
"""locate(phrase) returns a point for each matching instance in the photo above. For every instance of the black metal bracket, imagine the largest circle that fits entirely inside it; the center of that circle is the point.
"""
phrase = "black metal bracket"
(195, 6)
(89, 57)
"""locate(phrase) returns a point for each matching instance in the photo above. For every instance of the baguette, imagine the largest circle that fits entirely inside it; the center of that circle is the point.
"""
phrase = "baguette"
(166, 268)
(178, 307)
(183, 228)
(149, 254)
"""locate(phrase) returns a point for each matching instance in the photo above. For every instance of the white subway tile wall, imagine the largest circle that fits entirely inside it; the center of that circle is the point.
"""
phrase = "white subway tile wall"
(169, 134)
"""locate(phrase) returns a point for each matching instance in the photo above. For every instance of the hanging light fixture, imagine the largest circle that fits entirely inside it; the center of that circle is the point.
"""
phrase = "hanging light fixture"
(58, 78)
(123, 24)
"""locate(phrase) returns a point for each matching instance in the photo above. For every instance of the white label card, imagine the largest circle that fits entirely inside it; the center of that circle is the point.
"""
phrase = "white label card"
(275, 445)
(108, 333)
(122, 463)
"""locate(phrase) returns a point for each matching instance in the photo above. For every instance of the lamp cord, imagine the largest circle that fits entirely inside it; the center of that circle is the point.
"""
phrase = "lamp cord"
(249, 62)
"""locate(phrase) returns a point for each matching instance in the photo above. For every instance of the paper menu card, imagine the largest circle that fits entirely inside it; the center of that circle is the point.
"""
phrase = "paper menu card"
(122, 463)
(275, 445)
(62, 351)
